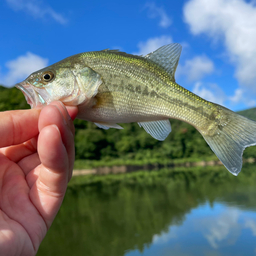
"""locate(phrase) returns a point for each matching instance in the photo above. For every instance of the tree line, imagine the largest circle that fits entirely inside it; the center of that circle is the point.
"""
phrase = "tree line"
(93, 143)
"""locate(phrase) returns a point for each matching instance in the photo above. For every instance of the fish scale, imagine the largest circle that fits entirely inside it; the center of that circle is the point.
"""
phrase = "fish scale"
(111, 87)
(114, 71)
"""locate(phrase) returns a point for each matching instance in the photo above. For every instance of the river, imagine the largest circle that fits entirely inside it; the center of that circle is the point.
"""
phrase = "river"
(165, 212)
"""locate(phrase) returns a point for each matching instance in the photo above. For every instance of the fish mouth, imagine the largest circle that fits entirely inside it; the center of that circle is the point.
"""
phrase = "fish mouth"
(32, 97)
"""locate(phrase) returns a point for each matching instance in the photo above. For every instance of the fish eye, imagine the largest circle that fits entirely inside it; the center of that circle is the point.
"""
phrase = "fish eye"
(47, 76)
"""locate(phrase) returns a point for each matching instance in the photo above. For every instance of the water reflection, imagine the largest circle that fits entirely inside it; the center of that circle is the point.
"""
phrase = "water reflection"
(207, 230)
(221, 227)
(165, 213)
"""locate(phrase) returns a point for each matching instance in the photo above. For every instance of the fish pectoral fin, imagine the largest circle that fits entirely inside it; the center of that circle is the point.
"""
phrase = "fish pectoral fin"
(106, 126)
(167, 57)
(157, 129)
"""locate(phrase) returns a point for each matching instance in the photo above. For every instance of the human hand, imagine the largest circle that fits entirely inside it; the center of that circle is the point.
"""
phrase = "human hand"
(36, 163)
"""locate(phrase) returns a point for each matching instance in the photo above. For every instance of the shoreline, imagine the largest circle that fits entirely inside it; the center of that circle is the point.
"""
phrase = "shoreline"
(147, 167)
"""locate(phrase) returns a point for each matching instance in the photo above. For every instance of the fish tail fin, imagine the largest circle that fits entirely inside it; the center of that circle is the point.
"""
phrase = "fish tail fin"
(232, 135)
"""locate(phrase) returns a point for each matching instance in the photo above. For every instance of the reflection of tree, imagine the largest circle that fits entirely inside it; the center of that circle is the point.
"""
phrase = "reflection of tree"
(113, 221)
(112, 217)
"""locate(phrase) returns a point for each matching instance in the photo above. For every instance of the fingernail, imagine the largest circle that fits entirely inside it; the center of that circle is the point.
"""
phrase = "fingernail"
(63, 117)
(65, 109)
(56, 127)
(71, 133)
(61, 103)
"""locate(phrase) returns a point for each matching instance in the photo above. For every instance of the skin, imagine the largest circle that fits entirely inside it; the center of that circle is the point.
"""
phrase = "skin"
(36, 163)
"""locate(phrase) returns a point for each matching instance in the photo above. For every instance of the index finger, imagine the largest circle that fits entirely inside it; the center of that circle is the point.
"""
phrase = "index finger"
(18, 126)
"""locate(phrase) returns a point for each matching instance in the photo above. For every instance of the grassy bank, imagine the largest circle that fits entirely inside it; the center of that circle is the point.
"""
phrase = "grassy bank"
(142, 176)
(89, 164)
(165, 175)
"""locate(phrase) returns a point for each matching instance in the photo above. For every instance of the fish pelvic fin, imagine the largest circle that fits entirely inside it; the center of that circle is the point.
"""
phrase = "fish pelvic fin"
(230, 138)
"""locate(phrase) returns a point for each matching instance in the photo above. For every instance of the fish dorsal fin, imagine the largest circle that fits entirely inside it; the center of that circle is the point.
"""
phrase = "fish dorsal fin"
(106, 126)
(167, 57)
(157, 129)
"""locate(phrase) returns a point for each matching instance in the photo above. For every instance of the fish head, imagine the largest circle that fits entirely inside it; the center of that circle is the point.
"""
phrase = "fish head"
(71, 82)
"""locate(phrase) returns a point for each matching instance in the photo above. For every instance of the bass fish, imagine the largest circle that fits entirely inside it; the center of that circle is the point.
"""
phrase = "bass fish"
(111, 87)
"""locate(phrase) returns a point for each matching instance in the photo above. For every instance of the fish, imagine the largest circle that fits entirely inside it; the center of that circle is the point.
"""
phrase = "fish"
(111, 87)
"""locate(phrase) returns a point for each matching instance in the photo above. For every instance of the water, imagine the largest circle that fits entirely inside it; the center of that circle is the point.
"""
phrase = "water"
(158, 213)
(207, 230)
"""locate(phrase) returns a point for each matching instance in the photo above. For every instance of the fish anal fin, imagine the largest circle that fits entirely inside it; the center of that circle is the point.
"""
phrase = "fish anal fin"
(157, 129)
(106, 126)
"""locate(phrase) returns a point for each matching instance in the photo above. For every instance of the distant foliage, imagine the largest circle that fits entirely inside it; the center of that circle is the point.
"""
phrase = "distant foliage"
(12, 99)
(130, 143)
(249, 113)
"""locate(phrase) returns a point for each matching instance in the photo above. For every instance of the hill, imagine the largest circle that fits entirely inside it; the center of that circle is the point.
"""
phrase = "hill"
(249, 113)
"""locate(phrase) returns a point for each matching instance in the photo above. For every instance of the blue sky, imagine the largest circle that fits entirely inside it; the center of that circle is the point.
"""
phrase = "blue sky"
(218, 61)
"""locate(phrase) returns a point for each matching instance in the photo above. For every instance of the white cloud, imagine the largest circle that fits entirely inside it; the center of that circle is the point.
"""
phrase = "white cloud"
(234, 21)
(222, 229)
(165, 237)
(155, 11)
(196, 68)
(212, 93)
(36, 9)
(237, 97)
(21, 67)
(251, 224)
(242, 96)
(152, 44)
